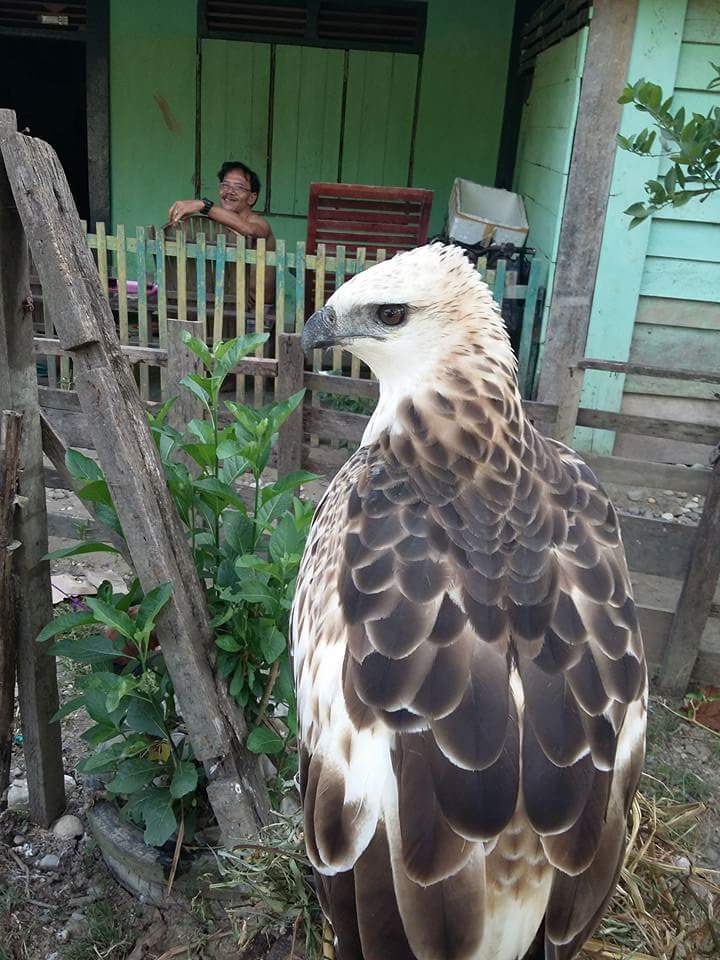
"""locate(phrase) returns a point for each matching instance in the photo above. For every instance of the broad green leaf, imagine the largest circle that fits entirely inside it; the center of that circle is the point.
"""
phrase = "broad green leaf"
(77, 703)
(234, 350)
(185, 779)
(202, 430)
(289, 482)
(228, 643)
(160, 820)
(158, 419)
(102, 760)
(272, 644)
(93, 649)
(145, 716)
(122, 689)
(111, 617)
(199, 387)
(82, 467)
(96, 491)
(198, 347)
(228, 448)
(152, 604)
(133, 774)
(107, 515)
(238, 681)
(90, 546)
(221, 490)
(285, 539)
(100, 733)
(262, 740)
(65, 622)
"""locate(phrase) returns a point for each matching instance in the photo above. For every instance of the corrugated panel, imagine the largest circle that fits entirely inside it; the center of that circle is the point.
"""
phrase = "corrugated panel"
(347, 24)
(38, 15)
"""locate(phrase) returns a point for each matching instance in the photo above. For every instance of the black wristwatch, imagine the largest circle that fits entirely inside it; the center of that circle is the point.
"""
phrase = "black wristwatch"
(207, 206)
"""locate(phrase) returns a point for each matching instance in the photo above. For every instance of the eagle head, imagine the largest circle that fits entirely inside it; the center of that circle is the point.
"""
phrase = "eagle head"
(406, 315)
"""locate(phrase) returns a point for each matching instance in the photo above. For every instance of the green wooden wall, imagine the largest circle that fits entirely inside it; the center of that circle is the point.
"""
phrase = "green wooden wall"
(464, 72)
(152, 107)
(298, 114)
(657, 297)
(545, 144)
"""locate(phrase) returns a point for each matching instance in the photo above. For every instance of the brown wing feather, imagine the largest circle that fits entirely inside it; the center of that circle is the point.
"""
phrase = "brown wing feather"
(460, 564)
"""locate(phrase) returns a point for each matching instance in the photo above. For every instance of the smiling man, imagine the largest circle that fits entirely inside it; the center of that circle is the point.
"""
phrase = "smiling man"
(238, 190)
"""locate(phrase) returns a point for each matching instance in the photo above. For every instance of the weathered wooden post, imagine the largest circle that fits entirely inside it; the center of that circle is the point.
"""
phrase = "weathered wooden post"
(10, 433)
(568, 404)
(696, 596)
(181, 363)
(291, 368)
(36, 675)
(121, 435)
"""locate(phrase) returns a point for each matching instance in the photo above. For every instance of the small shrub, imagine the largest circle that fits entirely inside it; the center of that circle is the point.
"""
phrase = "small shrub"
(247, 550)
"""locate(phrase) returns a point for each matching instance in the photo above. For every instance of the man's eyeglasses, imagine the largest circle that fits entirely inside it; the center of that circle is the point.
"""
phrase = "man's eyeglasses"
(232, 186)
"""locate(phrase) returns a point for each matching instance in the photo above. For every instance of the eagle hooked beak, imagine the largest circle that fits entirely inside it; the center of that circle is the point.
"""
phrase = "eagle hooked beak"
(321, 330)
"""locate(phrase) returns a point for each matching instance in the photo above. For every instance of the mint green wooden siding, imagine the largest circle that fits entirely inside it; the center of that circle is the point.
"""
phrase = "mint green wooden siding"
(545, 145)
(657, 297)
(356, 115)
(307, 116)
(379, 115)
(462, 98)
(152, 107)
(235, 109)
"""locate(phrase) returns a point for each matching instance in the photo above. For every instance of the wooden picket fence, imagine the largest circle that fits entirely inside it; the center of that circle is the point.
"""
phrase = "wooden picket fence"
(149, 278)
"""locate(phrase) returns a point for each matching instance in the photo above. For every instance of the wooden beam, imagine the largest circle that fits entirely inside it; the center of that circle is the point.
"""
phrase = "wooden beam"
(644, 370)
(291, 367)
(696, 597)
(606, 65)
(37, 681)
(155, 536)
(622, 254)
(10, 433)
(97, 72)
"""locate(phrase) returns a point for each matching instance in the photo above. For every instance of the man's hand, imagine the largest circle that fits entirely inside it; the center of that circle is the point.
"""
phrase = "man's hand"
(182, 209)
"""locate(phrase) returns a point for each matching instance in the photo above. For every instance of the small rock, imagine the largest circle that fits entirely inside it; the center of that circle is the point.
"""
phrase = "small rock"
(652, 500)
(18, 797)
(76, 924)
(53, 956)
(70, 785)
(669, 493)
(289, 807)
(696, 499)
(68, 827)
(634, 495)
(18, 840)
(667, 516)
(50, 862)
(63, 936)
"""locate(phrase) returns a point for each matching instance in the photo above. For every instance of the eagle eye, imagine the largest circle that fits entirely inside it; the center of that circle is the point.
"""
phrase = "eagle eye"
(391, 314)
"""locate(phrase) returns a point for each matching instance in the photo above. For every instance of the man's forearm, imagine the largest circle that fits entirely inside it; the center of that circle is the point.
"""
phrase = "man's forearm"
(228, 219)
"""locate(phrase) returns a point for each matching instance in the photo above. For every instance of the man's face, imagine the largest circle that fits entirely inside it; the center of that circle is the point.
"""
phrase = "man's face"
(235, 192)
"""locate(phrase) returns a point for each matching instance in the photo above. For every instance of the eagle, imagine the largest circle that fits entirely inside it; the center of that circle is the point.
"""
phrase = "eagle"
(470, 676)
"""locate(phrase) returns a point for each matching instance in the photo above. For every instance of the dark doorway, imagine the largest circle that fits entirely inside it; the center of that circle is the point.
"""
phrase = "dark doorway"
(43, 81)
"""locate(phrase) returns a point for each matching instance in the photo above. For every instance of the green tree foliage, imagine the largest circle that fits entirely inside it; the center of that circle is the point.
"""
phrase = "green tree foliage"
(690, 144)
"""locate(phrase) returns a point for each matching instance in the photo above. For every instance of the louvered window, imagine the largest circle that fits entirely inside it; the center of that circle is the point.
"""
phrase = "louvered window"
(46, 16)
(349, 24)
(551, 23)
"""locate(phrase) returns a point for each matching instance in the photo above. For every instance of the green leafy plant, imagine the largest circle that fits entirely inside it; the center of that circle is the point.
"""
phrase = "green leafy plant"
(247, 536)
(138, 743)
(690, 144)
